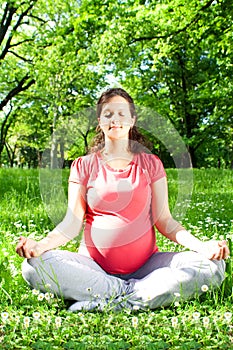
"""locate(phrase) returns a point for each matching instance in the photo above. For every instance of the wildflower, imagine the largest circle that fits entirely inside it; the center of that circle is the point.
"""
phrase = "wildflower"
(228, 316)
(136, 307)
(204, 288)
(176, 303)
(58, 321)
(51, 295)
(183, 320)
(177, 294)
(18, 224)
(40, 296)
(47, 296)
(36, 315)
(206, 321)
(88, 289)
(17, 319)
(35, 292)
(134, 322)
(5, 316)
(47, 285)
(26, 321)
(5, 252)
(196, 316)
(175, 321)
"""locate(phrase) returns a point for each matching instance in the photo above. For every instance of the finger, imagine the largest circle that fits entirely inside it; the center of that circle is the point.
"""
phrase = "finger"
(21, 242)
(226, 252)
(221, 253)
(19, 252)
(33, 253)
(26, 253)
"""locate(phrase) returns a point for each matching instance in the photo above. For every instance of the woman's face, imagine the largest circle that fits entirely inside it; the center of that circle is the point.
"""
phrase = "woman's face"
(115, 118)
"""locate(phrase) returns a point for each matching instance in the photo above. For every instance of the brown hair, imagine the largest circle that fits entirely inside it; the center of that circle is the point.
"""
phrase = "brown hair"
(137, 142)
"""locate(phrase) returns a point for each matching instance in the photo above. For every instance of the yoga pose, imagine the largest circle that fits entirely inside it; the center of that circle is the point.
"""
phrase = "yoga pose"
(119, 194)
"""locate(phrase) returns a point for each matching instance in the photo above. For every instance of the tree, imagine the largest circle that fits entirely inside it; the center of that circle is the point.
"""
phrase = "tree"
(170, 56)
(16, 33)
(60, 71)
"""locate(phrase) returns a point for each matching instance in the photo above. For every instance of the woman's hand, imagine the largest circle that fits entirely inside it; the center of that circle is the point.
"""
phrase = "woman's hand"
(28, 248)
(215, 250)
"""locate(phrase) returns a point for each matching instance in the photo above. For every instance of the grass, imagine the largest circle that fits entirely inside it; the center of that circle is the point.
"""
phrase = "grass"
(29, 320)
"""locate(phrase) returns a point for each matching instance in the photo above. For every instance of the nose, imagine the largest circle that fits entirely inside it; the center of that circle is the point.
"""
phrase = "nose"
(115, 119)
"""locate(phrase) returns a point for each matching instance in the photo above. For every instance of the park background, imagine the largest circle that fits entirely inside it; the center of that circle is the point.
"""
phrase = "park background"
(175, 58)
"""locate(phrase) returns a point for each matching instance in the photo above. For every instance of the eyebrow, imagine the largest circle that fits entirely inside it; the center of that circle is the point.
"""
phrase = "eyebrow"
(107, 109)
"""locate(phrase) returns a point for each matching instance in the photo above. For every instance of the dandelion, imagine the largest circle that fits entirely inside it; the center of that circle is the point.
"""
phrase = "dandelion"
(204, 288)
(58, 321)
(35, 292)
(26, 321)
(4, 316)
(175, 321)
(41, 296)
(134, 322)
(36, 315)
(206, 321)
(228, 316)
(196, 316)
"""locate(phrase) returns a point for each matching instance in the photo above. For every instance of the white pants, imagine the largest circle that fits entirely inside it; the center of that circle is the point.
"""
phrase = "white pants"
(162, 279)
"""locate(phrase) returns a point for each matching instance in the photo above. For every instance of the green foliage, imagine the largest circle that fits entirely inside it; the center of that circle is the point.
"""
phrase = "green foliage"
(174, 57)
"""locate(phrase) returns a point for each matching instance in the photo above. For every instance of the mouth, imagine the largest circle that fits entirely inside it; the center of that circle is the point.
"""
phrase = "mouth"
(115, 127)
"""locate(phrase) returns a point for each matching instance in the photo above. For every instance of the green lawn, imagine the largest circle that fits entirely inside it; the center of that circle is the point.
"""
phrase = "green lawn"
(201, 199)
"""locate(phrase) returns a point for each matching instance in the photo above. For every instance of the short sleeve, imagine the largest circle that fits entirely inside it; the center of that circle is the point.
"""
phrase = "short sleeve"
(154, 167)
(79, 171)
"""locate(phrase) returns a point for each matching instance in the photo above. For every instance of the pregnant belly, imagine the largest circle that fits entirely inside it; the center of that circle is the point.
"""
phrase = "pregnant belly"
(121, 252)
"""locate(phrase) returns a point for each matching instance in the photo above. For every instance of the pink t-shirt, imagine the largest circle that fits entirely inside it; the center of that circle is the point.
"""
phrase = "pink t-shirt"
(119, 234)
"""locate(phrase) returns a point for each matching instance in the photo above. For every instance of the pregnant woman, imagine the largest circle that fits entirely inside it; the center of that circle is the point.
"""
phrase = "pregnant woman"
(119, 194)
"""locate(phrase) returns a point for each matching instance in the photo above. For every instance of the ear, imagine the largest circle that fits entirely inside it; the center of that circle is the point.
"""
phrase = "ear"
(99, 125)
(133, 121)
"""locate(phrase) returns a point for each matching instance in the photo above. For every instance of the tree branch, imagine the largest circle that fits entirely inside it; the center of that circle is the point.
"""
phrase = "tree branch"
(22, 58)
(15, 27)
(19, 88)
(6, 21)
(165, 36)
(21, 42)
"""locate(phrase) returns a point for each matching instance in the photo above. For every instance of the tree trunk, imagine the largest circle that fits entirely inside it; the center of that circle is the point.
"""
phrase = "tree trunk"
(193, 156)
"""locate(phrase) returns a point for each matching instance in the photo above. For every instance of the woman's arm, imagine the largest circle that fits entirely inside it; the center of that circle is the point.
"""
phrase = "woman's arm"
(65, 231)
(173, 230)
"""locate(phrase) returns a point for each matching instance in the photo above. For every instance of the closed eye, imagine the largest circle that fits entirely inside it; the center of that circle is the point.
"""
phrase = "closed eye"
(107, 115)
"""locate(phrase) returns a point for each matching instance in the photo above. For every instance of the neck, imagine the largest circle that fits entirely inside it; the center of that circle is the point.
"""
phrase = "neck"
(117, 148)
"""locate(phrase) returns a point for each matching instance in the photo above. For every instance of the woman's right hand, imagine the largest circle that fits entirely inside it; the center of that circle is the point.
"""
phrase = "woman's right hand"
(28, 248)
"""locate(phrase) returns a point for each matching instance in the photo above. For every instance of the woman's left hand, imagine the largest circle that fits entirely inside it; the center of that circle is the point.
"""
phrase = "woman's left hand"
(215, 250)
